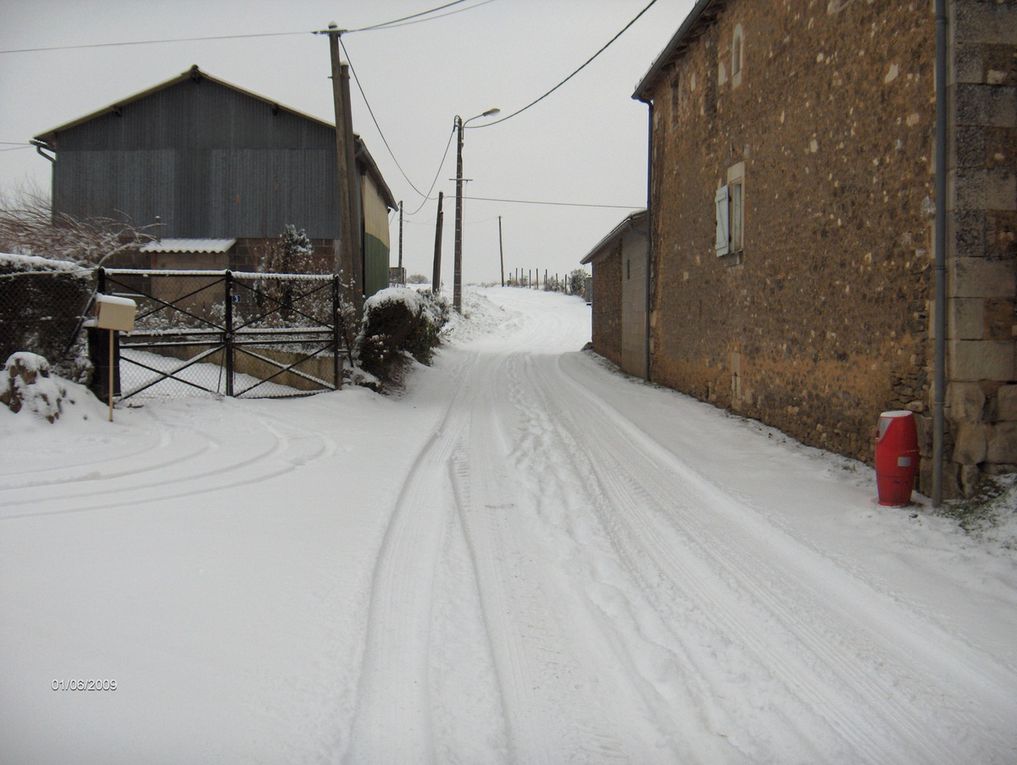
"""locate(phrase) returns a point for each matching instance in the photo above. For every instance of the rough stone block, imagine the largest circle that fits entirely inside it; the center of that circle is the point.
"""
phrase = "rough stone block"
(978, 22)
(970, 476)
(966, 232)
(988, 105)
(970, 443)
(966, 401)
(981, 360)
(977, 277)
(966, 318)
(1002, 445)
(971, 188)
(1006, 403)
(999, 319)
(968, 63)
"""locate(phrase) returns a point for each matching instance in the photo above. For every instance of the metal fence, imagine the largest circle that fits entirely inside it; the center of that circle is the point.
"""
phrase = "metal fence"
(241, 334)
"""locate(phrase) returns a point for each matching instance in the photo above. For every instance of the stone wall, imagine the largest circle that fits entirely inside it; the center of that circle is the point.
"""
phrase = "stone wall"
(982, 242)
(633, 309)
(607, 337)
(820, 322)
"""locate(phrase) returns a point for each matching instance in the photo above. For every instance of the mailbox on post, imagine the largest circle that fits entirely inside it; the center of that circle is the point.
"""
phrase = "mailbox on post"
(115, 314)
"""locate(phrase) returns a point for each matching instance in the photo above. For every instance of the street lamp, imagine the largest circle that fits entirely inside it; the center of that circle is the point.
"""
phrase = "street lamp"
(457, 268)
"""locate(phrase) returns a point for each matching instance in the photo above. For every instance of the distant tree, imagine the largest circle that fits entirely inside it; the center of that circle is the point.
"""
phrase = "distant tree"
(577, 281)
(417, 279)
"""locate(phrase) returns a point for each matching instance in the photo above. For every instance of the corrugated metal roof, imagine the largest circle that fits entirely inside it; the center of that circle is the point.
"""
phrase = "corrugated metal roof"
(190, 245)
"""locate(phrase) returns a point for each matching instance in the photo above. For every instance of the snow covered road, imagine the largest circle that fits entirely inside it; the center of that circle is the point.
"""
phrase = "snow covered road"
(526, 558)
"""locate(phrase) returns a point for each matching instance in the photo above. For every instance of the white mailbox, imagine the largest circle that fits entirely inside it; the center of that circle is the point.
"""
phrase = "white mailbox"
(115, 312)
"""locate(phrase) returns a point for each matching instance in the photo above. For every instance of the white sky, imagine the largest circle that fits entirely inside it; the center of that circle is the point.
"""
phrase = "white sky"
(585, 143)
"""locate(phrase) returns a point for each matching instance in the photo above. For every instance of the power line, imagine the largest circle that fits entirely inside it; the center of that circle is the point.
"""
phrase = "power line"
(405, 18)
(427, 198)
(553, 204)
(577, 71)
(431, 18)
(373, 27)
(16, 148)
(374, 119)
(153, 42)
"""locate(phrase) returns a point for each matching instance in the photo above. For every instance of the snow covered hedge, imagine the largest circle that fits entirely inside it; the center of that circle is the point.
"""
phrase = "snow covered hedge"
(399, 321)
(41, 304)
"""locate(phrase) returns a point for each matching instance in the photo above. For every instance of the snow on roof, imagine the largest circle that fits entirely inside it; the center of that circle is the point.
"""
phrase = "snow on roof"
(190, 245)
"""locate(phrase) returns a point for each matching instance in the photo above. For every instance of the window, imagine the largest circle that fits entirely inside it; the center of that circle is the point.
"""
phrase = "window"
(737, 46)
(729, 202)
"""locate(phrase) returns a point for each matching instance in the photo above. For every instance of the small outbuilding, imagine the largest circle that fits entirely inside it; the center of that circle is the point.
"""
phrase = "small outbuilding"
(619, 294)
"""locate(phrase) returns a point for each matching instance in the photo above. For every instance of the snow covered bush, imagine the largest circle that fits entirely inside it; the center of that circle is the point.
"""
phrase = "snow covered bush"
(27, 385)
(398, 322)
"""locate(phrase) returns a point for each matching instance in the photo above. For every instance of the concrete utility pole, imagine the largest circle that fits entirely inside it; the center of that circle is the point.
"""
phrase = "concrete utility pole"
(401, 274)
(436, 271)
(501, 252)
(457, 263)
(347, 258)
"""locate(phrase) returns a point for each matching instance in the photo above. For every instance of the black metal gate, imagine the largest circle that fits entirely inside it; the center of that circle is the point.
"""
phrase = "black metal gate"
(229, 333)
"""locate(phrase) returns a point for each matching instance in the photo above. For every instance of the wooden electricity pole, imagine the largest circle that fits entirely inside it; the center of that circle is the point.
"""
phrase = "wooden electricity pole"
(436, 271)
(501, 252)
(347, 259)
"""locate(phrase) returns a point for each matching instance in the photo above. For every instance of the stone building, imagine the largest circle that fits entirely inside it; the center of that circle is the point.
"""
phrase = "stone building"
(619, 294)
(792, 207)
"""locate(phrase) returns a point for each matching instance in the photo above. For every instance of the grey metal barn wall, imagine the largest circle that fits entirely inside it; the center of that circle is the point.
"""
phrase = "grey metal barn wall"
(209, 161)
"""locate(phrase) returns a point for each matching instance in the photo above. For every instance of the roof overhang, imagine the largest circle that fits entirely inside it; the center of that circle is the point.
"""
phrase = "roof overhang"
(699, 18)
(632, 221)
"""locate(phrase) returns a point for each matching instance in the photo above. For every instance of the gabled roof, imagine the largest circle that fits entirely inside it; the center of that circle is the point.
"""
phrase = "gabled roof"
(49, 138)
(195, 74)
(635, 220)
(699, 18)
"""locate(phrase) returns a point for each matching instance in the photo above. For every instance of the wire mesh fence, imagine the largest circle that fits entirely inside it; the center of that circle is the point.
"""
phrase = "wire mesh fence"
(43, 305)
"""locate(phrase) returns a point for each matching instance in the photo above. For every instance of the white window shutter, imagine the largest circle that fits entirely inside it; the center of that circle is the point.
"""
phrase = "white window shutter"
(723, 246)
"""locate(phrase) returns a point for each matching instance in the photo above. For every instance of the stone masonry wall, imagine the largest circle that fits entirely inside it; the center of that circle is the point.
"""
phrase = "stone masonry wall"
(607, 307)
(982, 242)
(821, 322)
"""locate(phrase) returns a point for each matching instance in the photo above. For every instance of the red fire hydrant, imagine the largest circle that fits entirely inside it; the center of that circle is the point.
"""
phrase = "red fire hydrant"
(896, 457)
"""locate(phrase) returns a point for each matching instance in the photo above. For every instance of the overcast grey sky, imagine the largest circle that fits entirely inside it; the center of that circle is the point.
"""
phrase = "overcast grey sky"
(585, 143)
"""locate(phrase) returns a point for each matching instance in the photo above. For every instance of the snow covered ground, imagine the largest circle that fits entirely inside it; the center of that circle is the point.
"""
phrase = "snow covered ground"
(526, 557)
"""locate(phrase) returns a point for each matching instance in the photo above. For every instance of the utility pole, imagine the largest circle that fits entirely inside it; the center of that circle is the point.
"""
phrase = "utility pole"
(501, 252)
(457, 265)
(401, 274)
(436, 272)
(348, 255)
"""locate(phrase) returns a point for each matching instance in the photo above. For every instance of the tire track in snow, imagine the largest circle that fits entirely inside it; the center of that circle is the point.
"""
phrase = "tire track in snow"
(841, 669)
(565, 694)
(392, 721)
(252, 469)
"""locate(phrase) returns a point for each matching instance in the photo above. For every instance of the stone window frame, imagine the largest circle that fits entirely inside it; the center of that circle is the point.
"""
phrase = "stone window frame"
(737, 55)
(736, 206)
